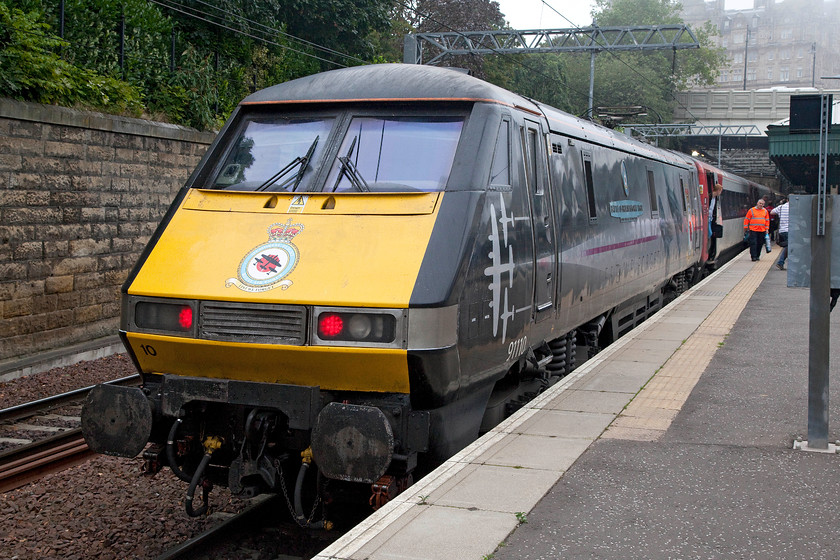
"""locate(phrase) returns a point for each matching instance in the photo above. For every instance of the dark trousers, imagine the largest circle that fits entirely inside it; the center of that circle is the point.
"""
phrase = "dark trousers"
(756, 241)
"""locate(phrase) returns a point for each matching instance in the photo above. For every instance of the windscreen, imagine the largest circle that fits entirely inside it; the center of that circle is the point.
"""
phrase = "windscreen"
(395, 154)
(275, 154)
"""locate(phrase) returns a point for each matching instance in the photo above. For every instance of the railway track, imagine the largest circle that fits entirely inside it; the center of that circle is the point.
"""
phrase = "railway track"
(196, 546)
(260, 527)
(28, 460)
(22, 465)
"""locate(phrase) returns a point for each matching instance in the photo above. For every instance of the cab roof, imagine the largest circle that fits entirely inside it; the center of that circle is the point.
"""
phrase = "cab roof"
(387, 82)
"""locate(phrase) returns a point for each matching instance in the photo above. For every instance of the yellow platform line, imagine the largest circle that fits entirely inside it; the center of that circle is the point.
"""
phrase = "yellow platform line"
(653, 409)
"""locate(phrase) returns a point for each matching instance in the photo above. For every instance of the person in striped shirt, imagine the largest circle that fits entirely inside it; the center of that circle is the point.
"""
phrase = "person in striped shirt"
(782, 212)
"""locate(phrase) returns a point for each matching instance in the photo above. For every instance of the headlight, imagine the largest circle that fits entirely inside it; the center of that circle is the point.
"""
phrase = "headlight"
(352, 327)
(359, 327)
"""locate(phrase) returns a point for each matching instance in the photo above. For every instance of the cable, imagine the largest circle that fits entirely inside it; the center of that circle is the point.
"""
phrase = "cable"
(248, 34)
(262, 39)
(687, 110)
(504, 55)
(269, 29)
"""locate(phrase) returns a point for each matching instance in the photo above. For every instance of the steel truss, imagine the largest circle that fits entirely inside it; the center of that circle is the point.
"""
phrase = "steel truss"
(589, 39)
(663, 130)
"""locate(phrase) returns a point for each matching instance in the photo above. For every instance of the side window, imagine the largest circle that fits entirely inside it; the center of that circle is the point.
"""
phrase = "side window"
(533, 145)
(684, 194)
(654, 206)
(500, 171)
(590, 187)
(710, 181)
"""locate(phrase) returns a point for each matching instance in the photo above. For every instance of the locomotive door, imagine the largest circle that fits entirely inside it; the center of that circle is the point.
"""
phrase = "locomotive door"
(534, 152)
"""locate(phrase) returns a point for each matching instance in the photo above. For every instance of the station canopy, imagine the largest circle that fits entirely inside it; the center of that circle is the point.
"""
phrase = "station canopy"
(797, 154)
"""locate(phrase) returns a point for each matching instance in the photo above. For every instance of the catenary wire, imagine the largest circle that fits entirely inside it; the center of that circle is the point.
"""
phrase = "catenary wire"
(248, 34)
(622, 61)
(513, 57)
(267, 29)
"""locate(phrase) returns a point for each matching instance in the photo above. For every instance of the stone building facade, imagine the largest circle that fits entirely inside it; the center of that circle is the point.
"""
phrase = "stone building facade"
(792, 43)
(80, 194)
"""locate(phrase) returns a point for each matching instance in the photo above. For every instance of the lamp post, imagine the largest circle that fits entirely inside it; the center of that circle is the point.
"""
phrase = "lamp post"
(746, 56)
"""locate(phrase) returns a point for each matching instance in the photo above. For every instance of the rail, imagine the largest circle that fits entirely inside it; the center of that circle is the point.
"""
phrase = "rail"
(25, 464)
(24, 410)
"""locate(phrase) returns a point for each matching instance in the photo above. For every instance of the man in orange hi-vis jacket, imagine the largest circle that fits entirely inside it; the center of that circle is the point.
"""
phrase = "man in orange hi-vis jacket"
(756, 224)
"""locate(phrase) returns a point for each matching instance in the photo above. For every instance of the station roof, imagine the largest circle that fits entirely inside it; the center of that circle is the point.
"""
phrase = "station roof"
(797, 154)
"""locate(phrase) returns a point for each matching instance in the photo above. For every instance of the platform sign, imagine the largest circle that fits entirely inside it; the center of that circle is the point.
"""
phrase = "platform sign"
(805, 113)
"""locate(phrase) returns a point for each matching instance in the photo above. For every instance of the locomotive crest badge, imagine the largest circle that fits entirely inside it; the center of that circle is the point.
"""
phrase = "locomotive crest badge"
(266, 266)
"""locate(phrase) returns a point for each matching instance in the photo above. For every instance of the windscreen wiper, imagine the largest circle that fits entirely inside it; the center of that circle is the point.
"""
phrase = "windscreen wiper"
(302, 161)
(348, 169)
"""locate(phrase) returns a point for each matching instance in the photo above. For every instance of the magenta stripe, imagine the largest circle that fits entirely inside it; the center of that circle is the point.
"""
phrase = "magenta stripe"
(605, 248)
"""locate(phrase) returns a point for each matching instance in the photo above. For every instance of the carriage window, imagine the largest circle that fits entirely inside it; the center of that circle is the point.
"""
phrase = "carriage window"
(590, 187)
(274, 154)
(684, 194)
(395, 154)
(654, 206)
(532, 159)
(500, 172)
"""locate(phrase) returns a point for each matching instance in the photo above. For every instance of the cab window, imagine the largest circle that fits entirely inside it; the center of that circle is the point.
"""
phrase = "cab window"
(274, 154)
(393, 154)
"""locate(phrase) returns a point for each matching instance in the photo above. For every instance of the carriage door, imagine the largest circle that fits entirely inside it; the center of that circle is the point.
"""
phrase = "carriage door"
(536, 174)
(689, 211)
(696, 211)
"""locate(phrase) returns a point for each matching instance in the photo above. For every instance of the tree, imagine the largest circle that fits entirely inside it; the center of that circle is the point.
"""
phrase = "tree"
(460, 15)
(649, 79)
(537, 76)
(389, 42)
(342, 25)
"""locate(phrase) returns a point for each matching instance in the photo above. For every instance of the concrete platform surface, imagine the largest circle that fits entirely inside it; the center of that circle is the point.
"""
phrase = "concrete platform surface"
(674, 442)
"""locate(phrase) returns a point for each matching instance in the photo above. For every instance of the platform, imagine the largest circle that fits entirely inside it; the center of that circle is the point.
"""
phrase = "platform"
(674, 442)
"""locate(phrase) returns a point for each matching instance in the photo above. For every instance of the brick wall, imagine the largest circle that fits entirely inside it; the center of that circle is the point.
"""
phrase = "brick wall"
(80, 194)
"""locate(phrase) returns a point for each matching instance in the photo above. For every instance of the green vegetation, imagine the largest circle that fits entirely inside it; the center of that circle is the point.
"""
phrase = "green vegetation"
(187, 68)
(649, 79)
(31, 70)
(190, 62)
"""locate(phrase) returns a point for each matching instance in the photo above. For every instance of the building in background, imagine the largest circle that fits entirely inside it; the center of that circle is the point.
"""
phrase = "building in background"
(775, 44)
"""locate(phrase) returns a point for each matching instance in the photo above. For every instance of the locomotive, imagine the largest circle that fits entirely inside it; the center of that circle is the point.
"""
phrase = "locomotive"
(373, 265)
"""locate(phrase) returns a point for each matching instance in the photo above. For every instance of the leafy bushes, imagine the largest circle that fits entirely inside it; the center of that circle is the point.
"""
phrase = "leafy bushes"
(182, 71)
(30, 69)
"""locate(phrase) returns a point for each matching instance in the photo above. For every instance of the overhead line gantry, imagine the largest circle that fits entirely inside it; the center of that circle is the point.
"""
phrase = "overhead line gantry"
(589, 39)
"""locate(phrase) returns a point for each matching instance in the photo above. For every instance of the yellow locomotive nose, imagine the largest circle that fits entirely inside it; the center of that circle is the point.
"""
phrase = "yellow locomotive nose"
(254, 278)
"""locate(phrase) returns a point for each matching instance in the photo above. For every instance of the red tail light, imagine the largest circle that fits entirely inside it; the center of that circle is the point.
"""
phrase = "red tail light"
(185, 318)
(355, 328)
(330, 325)
(164, 317)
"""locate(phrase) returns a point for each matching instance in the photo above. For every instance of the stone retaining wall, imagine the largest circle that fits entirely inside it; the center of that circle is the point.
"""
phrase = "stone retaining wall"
(80, 194)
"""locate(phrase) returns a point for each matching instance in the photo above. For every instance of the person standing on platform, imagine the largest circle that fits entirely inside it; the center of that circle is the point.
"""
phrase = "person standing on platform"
(715, 221)
(756, 224)
(782, 241)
